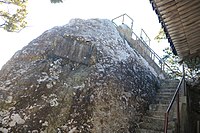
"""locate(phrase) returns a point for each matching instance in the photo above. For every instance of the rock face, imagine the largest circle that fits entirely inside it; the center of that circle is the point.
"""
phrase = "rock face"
(81, 77)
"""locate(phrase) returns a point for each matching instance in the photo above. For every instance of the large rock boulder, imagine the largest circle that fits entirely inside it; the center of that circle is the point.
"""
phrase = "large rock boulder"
(81, 77)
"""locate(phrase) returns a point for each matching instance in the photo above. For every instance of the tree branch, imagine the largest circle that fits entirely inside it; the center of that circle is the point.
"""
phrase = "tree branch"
(1, 25)
(5, 2)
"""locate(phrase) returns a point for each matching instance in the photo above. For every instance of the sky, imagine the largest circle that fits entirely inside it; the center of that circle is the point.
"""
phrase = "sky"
(42, 15)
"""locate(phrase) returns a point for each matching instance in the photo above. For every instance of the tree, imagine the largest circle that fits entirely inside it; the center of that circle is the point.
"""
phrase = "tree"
(13, 14)
(173, 62)
(160, 36)
(192, 67)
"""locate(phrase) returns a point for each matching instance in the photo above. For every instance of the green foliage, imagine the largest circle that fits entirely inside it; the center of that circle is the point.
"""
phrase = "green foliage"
(173, 61)
(13, 17)
(192, 70)
(160, 36)
(192, 66)
(13, 14)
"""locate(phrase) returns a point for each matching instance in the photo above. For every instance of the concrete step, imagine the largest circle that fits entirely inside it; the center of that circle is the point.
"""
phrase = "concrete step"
(164, 96)
(166, 90)
(156, 113)
(169, 84)
(159, 98)
(163, 101)
(160, 115)
(156, 126)
(155, 120)
(168, 81)
(151, 131)
(173, 87)
(158, 107)
(165, 93)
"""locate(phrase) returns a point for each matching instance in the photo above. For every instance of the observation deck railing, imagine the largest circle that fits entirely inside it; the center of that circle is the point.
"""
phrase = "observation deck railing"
(145, 41)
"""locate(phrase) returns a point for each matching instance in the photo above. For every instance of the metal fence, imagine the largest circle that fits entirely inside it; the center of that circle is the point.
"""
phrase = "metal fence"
(145, 42)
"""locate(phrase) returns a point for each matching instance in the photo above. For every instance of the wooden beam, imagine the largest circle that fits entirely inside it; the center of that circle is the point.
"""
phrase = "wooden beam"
(193, 33)
(173, 26)
(192, 25)
(181, 3)
(188, 7)
(167, 6)
(176, 36)
(181, 41)
(194, 43)
(188, 14)
(181, 45)
(176, 33)
(168, 10)
(163, 3)
(168, 17)
(182, 50)
(177, 27)
(195, 51)
(192, 18)
(172, 22)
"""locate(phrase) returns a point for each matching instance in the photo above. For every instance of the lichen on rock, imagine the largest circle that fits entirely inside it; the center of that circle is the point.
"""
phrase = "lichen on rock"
(80, 77)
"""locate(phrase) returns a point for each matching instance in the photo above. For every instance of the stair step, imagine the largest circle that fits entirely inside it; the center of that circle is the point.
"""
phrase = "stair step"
(151, 131)
(163, 98)
(163, 101)
(153, 122)
(149, 119)
(172, 87)
(156, 113)
(168, 81)
(167, 90)
(169, 84)
(156, 126)
(158, 107)
(160, 115)
(163, 93)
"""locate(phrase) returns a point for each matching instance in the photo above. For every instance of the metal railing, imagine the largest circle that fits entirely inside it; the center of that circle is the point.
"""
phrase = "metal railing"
(176, 97)
(123, 16)
(157, 59)
(164, 67)
(145, 37)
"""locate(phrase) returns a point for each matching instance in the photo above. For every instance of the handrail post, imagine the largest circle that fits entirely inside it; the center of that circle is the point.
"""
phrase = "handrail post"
(123, 19)
(166, 122)
(163, 66)
(178, 114)
(132, 25)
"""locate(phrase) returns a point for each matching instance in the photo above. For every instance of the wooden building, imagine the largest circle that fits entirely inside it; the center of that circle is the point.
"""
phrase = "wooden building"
(180, 20)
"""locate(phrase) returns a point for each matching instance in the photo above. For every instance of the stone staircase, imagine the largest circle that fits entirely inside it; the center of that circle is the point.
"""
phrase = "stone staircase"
(153, 121)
